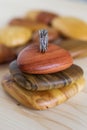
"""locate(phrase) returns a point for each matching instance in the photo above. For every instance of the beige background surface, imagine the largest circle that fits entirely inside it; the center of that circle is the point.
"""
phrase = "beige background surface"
(72, 115)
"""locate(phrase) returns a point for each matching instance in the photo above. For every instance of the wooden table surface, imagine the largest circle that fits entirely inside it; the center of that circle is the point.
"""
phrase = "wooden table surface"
(71, 115)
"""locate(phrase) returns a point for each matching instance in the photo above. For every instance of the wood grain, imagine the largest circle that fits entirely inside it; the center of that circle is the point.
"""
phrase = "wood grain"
(71, 27)
(70, 115)
(14, 36)
(31, 60)
(41, 100)
(78, 49)
(29, 24)
(42, 82)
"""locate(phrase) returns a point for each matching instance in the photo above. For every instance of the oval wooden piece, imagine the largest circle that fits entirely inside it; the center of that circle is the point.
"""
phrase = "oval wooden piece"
(41, 16)
(6, 54)
(71, 27)
(29, 24)
(42, 82)
(31, 60)
(32, 15)
(52, 35)
(78, 49)
(13, 36)
(21, 22)
(41, 100)
(46, 17)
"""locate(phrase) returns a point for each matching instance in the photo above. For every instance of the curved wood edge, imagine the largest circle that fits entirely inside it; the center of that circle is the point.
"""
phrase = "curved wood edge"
(41, 100)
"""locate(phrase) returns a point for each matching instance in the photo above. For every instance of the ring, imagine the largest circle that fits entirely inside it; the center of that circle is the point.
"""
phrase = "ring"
(43, 34)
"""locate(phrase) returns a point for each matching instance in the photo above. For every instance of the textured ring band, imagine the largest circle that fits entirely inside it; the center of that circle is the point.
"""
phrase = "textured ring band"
(43, 40)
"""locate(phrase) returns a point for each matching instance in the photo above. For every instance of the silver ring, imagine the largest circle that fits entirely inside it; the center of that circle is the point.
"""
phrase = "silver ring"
(43, 40)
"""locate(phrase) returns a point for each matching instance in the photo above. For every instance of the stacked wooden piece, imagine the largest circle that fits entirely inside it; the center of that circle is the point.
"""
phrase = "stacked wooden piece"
(43, 80)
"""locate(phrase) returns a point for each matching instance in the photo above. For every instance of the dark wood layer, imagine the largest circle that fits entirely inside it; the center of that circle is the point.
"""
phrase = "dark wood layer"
(42, 82)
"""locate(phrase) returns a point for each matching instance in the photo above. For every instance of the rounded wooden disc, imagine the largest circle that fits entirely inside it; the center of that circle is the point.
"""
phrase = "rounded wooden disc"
(6, 54)
(41, 16)
(40, 82)
(13, 36)
(31, 60)
(41, 100)
(78, 49)
(46, 17)
(71, 27)
(32, 14)
(29, 24)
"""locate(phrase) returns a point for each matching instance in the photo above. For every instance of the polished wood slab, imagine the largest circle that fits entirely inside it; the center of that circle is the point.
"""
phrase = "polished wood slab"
(40, 82)
(15, 36)
(71, 27)
(31, 60)
(41, 100)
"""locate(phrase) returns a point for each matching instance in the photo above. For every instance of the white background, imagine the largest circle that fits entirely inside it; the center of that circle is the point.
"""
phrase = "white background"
(14, 8)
